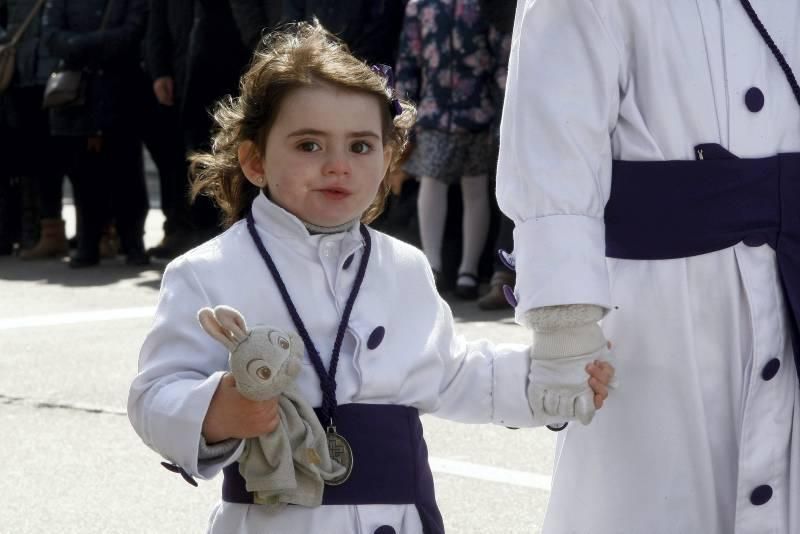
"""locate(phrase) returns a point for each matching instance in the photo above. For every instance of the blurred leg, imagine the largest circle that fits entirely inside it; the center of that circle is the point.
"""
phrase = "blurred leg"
(123, 161)
(432, 212)
(91, 186)
(475, 228)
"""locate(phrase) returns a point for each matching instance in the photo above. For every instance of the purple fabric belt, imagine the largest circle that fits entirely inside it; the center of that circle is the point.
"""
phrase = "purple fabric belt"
(676, 209)
(390, 463)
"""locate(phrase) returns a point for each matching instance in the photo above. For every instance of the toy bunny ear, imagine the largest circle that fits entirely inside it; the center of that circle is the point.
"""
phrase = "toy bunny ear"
(215, 329)
(232, 321)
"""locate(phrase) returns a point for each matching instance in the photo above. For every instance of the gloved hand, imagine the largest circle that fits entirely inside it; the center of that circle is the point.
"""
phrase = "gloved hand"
(558, 388)
(565, 340)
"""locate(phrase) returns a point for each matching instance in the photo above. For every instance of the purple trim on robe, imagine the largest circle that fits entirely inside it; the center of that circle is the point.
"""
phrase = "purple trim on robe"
(390, 463)
(677, 209)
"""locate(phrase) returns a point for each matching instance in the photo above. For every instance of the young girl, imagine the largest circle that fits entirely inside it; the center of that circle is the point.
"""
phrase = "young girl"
(298, 165)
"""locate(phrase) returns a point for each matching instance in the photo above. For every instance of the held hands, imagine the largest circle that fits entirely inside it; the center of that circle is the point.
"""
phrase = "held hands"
(231, 415)
(559, 389)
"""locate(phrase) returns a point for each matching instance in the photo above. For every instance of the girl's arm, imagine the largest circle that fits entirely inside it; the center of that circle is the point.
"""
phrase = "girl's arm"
(410, 55)
(180, 367)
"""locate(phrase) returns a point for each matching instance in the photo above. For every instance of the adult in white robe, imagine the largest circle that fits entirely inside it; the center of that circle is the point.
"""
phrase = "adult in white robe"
(705, 422)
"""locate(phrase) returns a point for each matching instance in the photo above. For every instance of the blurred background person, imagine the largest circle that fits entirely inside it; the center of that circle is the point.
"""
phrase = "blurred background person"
(99, 134)
(164, 50)
(194, 56)
(30, 183)
(450, 59)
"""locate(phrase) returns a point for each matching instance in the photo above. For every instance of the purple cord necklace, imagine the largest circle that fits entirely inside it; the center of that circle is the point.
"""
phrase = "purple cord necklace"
(338, 446)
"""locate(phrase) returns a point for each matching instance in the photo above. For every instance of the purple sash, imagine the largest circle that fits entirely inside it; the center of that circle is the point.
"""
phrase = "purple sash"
(390, 467)
(676, 209)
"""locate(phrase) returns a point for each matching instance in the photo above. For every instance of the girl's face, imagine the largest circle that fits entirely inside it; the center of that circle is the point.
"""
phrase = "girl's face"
(324, 158)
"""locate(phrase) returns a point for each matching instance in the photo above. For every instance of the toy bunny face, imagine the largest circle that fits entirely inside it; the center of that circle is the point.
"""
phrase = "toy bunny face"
(264, 360)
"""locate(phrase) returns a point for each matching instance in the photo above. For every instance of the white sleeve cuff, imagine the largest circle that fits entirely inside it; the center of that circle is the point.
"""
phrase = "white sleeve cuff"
(560, 259)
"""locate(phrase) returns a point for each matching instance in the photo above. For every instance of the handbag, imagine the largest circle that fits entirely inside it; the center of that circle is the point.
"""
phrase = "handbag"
(67, 87)
(64, 88)
(8, 51)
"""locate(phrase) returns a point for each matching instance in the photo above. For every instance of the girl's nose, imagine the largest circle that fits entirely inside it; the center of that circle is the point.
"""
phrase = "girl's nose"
(337, 164)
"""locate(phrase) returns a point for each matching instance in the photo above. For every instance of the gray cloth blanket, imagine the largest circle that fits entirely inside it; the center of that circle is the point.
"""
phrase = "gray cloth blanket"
(291, 464)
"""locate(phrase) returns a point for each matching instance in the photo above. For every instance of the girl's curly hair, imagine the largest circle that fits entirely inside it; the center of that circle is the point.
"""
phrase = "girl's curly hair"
(300, 55)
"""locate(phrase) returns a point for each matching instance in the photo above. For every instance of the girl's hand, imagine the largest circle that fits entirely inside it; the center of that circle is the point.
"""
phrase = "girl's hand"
(600, 376)
(230, 415)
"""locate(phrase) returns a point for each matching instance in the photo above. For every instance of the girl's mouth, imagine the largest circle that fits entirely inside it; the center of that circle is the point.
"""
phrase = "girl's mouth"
(334, 193)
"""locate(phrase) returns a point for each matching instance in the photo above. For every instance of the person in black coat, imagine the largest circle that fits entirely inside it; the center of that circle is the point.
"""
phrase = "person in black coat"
(195, 57)
(166, 47)
(371, 28)
(26, 135)
(101, 131)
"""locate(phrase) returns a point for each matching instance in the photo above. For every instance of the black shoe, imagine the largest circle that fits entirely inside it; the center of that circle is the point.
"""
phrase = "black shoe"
(466, 291)
(81, 261)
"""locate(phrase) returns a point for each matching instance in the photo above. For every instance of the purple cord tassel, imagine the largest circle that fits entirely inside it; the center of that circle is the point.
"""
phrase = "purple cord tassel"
(508, 291)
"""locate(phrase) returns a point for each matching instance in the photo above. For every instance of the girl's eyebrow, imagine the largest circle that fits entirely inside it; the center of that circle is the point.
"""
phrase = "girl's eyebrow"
(320, 133)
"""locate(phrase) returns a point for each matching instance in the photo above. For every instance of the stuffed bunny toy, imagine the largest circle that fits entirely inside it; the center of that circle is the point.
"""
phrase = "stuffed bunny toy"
(291, 464)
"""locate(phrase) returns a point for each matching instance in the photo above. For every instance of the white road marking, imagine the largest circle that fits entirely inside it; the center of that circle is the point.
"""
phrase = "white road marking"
(488, 473)
(444, 466)
(56, 319)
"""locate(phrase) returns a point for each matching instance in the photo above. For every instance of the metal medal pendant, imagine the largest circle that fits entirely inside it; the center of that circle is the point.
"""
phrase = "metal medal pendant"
(341, 452)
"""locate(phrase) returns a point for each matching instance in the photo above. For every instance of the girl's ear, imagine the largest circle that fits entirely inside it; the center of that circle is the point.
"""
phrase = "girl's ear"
(251, 163)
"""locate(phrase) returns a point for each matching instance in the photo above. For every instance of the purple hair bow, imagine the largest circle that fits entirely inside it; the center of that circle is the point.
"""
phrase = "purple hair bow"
(386, 72)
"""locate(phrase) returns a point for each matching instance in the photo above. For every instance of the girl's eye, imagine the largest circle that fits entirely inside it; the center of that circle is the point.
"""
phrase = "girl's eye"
(361, 147)
(309, 146)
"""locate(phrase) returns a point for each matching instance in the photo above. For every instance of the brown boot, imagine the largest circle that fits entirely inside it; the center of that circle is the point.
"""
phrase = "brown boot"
(109, 242)
(495, 299)
(52, 242)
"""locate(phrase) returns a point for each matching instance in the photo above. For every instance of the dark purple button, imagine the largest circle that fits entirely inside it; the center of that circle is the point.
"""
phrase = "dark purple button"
(385, 529)
(754, 99)
(376, 337)
(348, 261)
(771, 369)
(755, 240)
(557, 428)
(508, 292)
(507, 260)
(761, 495)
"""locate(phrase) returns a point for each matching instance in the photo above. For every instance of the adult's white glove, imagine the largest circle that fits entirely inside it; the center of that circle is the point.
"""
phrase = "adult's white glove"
(565, 340)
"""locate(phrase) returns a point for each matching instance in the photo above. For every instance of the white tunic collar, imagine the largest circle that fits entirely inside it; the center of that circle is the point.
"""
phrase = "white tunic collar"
(274, 220)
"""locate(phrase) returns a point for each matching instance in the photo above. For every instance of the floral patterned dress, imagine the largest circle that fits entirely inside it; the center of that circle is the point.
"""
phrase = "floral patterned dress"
(452, 63)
